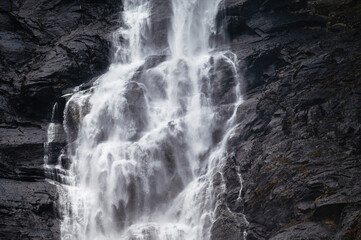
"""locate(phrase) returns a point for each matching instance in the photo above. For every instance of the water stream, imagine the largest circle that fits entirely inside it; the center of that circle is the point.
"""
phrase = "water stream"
(147, 142)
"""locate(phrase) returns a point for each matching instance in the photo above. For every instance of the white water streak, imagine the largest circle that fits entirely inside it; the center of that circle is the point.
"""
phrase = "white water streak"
(146, 155)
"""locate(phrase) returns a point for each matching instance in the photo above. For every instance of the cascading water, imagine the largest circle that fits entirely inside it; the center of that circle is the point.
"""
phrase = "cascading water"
(148, 141)
(54, 168)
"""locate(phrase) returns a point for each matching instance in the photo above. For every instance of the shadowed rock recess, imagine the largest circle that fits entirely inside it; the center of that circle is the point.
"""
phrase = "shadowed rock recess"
(297, 143)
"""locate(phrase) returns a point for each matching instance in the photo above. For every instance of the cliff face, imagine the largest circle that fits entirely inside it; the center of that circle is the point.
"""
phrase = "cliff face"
(46, 47)
(298, 138)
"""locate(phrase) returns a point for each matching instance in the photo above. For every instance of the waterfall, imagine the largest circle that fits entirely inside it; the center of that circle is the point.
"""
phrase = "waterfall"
(54, 161)
(148, 141)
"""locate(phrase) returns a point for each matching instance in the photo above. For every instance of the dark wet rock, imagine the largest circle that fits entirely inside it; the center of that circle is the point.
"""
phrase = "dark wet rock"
(28, 210)
(150, 77)
(136, 106)
(304, 231)
(338, 27)
(232, 16)
(242, 8)
(54, 146)
(228, 225)
(297, 141)
(46, 47)
(268, 23)
(223, 82)
(260, 66)
(28, 204)
(74, 112)
(160, 20)
(65, 162)
(152, 61)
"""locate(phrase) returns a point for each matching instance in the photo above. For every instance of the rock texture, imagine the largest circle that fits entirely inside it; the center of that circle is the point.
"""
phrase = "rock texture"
(297, 143)
(298, 139)
(46, 47)
(27, 202)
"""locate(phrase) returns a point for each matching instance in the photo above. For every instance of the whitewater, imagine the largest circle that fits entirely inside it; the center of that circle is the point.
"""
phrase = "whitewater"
(148, 141)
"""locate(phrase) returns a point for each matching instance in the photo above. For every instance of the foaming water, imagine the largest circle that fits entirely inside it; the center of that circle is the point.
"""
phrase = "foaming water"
(148, 141)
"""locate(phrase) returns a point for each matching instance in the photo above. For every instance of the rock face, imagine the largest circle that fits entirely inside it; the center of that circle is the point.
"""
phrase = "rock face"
(298, 139)
(27, 202)
(297, 142)
(46, 47)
